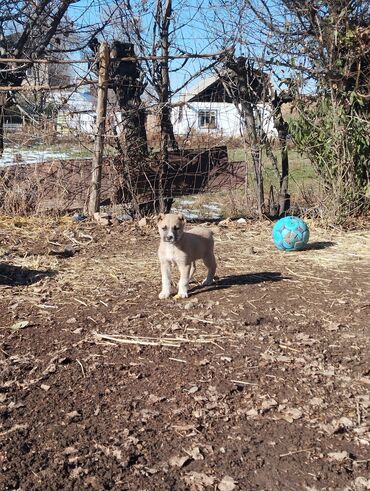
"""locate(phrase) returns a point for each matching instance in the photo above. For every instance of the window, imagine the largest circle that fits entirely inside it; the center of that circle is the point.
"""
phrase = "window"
(207, 119)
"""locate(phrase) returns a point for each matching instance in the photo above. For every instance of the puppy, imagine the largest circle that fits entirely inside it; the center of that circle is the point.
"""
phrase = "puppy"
(183, 249)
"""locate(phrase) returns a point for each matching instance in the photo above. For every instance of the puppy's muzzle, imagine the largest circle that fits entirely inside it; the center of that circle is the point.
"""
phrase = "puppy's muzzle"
(170, 238)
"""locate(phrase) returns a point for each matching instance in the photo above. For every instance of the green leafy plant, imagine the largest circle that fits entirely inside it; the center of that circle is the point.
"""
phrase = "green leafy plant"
(335, 137)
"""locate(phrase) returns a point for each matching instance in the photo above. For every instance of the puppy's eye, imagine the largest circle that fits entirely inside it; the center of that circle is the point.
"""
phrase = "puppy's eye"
(164, 228)
(176, 227)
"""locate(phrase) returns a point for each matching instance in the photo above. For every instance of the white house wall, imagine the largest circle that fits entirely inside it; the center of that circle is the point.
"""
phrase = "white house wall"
(267, 120)
(228, 122)
(227, 118)
(76, 122)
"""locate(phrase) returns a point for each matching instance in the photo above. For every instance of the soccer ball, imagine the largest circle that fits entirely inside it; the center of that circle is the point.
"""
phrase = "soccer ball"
(290, 234)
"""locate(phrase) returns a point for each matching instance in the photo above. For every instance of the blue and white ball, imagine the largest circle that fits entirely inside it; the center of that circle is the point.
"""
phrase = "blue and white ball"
(290, 234)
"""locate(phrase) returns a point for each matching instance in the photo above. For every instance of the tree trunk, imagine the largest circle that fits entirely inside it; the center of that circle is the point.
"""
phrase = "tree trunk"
(255, 149)
(246, 86)
(284, 197)
(282, 127)
(101, 113)
(128, 87)
(1, 126)
(167, 134)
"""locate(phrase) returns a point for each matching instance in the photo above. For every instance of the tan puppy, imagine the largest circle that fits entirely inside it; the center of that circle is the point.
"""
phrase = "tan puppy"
(183, 249)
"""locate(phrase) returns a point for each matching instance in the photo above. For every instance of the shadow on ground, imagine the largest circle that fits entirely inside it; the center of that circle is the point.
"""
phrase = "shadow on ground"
(316, 246)
(240, 279)
(17, 276)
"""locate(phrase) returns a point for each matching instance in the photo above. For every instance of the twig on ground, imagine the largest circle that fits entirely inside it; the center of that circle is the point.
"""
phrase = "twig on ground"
(358, 410)
(295, 452)
(242, 382)
(198, 319)
(82, 368)
(81, 302)
(289, 348)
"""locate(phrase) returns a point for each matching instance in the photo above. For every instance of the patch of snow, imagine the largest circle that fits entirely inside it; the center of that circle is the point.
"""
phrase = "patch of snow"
(213, 207)
(14, 155)
(184, 202)
(211, 210)
(189, 215)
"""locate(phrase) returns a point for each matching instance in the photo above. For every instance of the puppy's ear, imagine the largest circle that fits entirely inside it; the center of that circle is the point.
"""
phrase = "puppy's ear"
(159, 217)
(181, 218)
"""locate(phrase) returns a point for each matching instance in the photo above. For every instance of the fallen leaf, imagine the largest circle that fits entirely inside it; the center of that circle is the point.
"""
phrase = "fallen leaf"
(338, 456)
(70, 450)
(195, 453)
(117, 453)
(203, 362)
(15, 405)
(20, 325)
(333, 326)
(268, 404)
(76, 472)
(227, 484)
(92, 481)
(362, 484)
(316, 401)
(199, 480)
(50, 369)
(364, 400)
(341, 425)
(184, 427)
(291, 414)
(344, 424)
(153, 399)
(179, 461)
(73, 416)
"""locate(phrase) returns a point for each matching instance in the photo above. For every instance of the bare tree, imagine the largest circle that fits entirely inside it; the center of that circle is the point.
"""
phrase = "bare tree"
(127, 83)
(247, 77)
(26, 31)
(32, 30)
(323, 48)
(150, 27)
(247, 87)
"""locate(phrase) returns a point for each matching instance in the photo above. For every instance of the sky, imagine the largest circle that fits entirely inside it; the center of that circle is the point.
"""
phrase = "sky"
(200, 28)
(191, 38)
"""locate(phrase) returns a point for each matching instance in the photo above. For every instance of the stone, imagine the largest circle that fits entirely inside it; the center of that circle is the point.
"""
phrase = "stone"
(102, 218)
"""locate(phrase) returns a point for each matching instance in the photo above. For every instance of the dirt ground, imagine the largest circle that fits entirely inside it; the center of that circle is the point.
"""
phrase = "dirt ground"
(260, 382)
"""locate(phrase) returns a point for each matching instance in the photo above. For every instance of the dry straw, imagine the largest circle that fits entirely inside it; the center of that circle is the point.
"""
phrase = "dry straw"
(171, 342)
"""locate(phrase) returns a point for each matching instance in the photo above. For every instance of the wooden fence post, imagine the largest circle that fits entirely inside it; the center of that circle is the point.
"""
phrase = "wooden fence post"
(101, 113)
(2, 110)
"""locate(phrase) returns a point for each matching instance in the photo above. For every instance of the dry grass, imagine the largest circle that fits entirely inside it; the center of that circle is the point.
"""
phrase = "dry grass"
(95, 270)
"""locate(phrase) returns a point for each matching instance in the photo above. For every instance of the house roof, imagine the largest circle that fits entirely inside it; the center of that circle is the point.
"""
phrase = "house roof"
(74, 101)
(200, 87)
(212, 89)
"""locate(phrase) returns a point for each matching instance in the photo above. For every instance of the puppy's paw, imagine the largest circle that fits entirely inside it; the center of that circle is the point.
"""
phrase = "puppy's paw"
(179, 295)
(207, 282)
(164, 295)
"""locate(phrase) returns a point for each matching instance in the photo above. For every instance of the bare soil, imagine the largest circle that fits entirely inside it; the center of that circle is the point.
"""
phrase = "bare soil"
(260, 382)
